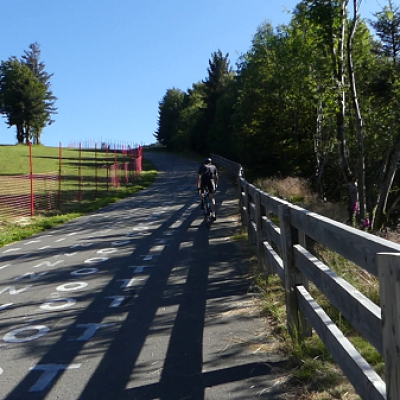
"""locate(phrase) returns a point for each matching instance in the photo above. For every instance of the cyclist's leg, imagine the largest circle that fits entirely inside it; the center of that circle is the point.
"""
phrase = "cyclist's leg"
(212, 191)
(212, 201)
(201, 195)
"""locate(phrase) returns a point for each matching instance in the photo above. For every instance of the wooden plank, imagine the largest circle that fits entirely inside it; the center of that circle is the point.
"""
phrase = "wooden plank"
(389, 286)
(252, 190)
(245, 216)
(252, 232)
(273, 232)
(365, 380)
(252, 210)
(272, 203)
(243, 183)
(274, 261)
(355, 245)
(361, 312)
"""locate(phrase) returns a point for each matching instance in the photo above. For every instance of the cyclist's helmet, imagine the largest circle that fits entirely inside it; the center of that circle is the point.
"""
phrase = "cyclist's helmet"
(207, 161)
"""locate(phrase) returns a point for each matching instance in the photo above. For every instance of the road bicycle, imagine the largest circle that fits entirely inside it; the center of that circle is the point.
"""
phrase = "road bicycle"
(206, 207)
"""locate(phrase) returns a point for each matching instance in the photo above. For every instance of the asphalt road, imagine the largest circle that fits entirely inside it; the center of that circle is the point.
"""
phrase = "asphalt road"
(140, 300)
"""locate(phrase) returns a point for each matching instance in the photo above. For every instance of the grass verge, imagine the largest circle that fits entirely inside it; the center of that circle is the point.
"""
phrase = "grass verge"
(12, 231)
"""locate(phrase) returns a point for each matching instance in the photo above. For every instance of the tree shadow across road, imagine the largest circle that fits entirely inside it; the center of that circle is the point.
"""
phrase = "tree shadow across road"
(178, 337)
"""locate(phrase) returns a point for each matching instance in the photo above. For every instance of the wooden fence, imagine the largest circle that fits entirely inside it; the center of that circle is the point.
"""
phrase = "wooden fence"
(284, 250)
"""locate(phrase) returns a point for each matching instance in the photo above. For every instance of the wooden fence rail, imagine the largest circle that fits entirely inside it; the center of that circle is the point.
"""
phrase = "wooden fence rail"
(284, 250)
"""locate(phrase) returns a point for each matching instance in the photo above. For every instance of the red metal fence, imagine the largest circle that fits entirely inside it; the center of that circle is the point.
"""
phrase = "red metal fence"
(29, 194)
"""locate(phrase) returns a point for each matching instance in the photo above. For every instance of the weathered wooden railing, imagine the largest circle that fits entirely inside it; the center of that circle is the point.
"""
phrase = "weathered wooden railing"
(284, 249)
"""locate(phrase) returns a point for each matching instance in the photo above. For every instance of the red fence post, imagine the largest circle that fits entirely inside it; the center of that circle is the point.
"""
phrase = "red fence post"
(59, 173)
(31, 176)
(107, 166)
(116, 168)
(80, 172)
(95, 168)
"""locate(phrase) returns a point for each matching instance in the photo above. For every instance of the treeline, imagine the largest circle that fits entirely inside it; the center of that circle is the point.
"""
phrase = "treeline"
(316, 98)
(26, 99)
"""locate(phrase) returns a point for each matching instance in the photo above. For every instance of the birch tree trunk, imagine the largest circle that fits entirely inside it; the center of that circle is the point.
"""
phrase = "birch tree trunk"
(338, 60)
(359, 119)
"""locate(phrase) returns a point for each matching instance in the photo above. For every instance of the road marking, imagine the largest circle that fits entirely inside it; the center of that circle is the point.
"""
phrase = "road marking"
(48, 264)
(4, 306)
(95, 260)
(91, 329)
(32, 241)
(139, 268)
(50, 304)
(121, 243)
(107, 251)
(65, 254)
(85, 271)
(68, 287)
(32, 275)
(129, 282)
(81, 245)
(12, 291)
(11, 337)
(50, 372)
(117, 301)
(10, 250)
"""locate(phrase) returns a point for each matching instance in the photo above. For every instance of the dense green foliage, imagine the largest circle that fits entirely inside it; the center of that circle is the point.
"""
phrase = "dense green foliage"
(316, 98)
(26, 100)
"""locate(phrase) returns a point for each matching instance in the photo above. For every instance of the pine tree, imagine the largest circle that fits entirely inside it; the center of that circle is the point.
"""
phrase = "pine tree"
(31, 59)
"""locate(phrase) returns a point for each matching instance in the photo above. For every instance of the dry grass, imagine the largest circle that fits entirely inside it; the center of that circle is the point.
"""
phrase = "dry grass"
(297, 191)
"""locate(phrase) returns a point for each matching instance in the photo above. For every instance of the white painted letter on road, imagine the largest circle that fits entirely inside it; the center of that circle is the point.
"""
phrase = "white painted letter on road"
(69, 287)
(91, 329)
(49, 373)
(54, 304)
(11, 290)
(85, 271)
(11, 337)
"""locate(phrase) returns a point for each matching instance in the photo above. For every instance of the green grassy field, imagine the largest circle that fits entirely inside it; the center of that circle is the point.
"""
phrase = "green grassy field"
(83, 173)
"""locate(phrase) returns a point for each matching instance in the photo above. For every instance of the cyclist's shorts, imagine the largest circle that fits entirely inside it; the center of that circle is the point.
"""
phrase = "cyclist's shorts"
(210, 186)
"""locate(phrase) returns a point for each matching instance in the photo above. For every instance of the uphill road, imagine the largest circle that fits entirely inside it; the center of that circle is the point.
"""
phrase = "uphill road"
(139, 300)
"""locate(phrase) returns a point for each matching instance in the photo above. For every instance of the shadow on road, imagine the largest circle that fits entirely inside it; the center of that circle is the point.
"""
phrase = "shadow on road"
(174, 339)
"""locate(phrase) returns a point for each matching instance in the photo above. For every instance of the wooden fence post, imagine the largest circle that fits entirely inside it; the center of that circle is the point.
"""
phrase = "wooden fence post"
(389, 287)
(260, 236)
(248, 215)
(241, 205)
(297, 324)
(238, 178)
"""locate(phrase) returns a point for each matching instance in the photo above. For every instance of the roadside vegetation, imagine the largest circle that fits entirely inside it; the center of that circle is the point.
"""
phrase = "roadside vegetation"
(15, 160)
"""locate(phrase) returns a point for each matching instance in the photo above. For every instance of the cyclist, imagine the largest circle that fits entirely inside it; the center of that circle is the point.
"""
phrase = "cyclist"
(207, 179)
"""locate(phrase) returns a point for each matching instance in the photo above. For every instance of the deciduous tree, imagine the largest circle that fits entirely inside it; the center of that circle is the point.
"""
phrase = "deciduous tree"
(22, 98)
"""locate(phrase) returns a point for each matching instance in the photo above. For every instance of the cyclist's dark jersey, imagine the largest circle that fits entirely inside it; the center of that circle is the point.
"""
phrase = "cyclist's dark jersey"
(208, 175)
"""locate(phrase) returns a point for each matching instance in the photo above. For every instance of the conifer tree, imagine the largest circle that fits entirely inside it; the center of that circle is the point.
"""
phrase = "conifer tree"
(31, 59)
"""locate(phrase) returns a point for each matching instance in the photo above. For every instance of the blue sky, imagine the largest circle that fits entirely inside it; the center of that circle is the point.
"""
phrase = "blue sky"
(114, 60)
